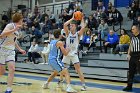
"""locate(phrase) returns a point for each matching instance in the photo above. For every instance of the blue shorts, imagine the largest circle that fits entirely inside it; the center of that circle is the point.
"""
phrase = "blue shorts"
(57, 65)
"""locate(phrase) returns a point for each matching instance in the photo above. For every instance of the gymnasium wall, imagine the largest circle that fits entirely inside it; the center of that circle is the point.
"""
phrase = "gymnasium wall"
(5, 4)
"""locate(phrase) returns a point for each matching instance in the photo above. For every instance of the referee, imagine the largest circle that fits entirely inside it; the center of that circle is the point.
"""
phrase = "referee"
(133, 56)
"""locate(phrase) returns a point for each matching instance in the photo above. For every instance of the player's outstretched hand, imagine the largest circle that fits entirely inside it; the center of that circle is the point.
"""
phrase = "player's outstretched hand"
(23, 52)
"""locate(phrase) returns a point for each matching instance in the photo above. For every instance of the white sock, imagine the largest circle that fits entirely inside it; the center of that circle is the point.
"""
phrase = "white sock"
(9, 89)
(83, 84)
(68, 85)
(46, 82)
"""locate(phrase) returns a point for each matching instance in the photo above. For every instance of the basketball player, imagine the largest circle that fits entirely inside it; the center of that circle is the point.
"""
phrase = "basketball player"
(72, 41)
(8, 42)
(56, 47)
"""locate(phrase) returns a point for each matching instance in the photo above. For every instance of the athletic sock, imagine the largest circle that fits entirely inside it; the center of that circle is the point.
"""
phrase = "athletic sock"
(9, 89)
(68, 85)
(83, 84)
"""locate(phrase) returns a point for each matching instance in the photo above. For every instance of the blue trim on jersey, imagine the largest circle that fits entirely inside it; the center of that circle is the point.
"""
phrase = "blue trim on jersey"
(58, 58)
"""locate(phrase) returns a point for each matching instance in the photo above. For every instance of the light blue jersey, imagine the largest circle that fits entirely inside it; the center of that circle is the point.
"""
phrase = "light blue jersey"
(55, 57)
(54, 51)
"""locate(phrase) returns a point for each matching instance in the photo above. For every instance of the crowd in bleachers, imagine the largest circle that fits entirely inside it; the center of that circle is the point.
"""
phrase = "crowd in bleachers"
(39, 26)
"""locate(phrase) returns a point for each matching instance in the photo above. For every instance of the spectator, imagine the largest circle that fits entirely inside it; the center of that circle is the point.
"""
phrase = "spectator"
(45, 52)
(115, 18)
(5, 20)
(33, 52)
(87, 41)
(132, 12)
(36, 34)
(137, 21)
(92, 23)
(112, 40)
(110, 5)
(123, 42)
(109, 12)
(103, 30)
(100, 6)
(59, 22)
(36, 23)
(93, 40)
(65, 15)
(5, 17)
(47, 25)
(71, 6)
(52, 18)
(78, 5)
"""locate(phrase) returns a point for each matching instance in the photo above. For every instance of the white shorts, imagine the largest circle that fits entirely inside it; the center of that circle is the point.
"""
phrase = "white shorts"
(68, 59)
(6, 55)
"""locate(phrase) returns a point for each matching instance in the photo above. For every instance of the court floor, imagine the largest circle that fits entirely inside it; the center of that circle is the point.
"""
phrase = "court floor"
(32, 83)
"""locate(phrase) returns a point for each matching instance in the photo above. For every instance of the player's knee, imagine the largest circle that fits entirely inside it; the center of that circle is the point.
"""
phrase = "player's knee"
(64, 72)
(55, 73)
(11, 69)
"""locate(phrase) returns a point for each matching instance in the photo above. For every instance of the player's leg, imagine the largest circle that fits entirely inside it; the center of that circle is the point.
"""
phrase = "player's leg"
(66, 61)
(53, 63)
(11, 69)
(2, 69)
(77, 67)
(51, 77)
(2, 62)
(65, 73)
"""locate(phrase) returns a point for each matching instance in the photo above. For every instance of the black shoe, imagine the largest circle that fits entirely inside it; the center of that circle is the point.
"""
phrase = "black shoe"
(128, 88)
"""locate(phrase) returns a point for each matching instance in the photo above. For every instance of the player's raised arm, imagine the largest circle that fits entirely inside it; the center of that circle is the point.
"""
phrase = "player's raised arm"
(63, 50)
(66, 25)
(83, 25)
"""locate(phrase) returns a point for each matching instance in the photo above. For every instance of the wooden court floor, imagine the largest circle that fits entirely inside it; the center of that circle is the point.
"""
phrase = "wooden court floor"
(32, 83)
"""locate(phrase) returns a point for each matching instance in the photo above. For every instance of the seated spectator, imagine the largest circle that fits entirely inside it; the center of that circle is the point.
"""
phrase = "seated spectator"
(36, 34)
(87, 41)
(33, 53)
(78, 4)
(47, 25)
(112, 40)
(45, 52)
(103, 30)
(93, 40)
(65, 15)
(137, 21)
(132, 12)
(92, 23)
(115, 18)
(110, 5)
(52, 18)
(123, 42)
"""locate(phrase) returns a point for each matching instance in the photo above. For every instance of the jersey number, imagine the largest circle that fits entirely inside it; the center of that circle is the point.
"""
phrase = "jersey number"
(71, 41)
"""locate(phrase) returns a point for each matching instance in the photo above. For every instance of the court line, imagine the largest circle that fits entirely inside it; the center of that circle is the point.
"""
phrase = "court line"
(89, 84)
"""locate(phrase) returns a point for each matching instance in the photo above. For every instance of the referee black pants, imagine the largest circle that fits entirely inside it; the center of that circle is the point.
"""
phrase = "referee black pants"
(132, 69)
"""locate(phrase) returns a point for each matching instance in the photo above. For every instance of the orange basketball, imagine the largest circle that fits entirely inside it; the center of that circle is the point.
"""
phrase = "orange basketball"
(78, 15)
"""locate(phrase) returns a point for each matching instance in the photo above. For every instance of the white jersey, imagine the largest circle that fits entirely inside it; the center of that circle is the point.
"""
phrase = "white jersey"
(72, 42)
(9, 41)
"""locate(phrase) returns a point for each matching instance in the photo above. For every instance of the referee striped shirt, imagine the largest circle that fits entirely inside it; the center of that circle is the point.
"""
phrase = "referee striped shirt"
(135, 44)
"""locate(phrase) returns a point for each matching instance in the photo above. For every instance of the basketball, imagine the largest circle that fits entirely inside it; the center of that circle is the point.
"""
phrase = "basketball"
(78, 15)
